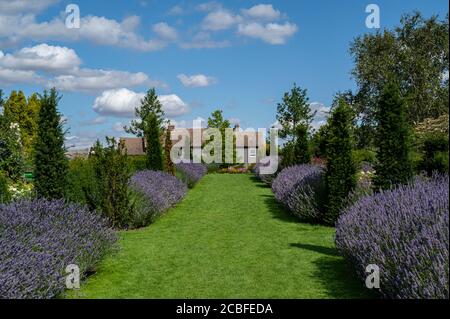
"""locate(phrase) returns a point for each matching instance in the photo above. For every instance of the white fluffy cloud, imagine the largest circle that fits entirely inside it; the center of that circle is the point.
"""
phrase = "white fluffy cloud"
(164, 31)
(10, 76)
(60, 67)
(90, 80)
(262, 11)
(119, 102)
(41, 57)
(220, 20)
(122, 102)
(272, 33)
(322, 114)
(15, 6)
(255, 22)
(198, 80)
(18, 22)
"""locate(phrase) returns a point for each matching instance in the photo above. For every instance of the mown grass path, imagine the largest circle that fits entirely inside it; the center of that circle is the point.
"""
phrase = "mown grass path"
(227, 239)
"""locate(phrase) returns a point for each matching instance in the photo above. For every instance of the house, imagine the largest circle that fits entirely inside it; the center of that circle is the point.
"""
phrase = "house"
(247, 143)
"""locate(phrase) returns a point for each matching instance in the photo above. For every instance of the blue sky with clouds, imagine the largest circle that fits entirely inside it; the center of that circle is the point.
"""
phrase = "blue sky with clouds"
(239, 56)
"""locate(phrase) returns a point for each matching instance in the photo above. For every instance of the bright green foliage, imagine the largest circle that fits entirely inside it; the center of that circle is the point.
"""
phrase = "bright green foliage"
(150, 105)
(293, 111)
(435, 154)
(154, 148)
(294, 115)
(302, 154)
(364, 156)
(392, 139)
(341, 172)
(138, 162)
(15, 108)
(112, 173)
(416, 54)
(169, 166)
(50, 160)
(227, 239)
(30, 127)
(25, 113)
(82, 186)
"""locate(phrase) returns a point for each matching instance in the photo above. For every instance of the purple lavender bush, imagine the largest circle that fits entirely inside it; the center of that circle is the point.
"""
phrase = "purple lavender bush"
(301, 189)
(404, 232)
(191, 173)
(40, 238)
(159, 191)
(265, 178)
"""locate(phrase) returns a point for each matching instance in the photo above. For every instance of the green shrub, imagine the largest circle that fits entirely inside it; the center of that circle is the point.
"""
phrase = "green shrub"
(82, 185)
(287, 155)
(364, 156)
(137, 162)
(302, 153)
(5, 196)
(112, 174)
(434, 153)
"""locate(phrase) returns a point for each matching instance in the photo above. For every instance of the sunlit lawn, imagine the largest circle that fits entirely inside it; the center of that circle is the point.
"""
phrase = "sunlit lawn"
(227, 239)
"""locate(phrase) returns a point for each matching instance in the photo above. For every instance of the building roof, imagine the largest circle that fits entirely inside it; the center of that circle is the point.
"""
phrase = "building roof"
(137, 145)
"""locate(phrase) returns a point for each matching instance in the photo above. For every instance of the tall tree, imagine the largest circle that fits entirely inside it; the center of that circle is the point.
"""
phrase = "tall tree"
(216, 120)
(294, 110)
(50, 160)
(170, 167)
(25, 113)
(341, 171)
(15, 108)
(153, 138)
(392, 139)
(294, 115)
(149, 126)
(416, 54)
(150, 105)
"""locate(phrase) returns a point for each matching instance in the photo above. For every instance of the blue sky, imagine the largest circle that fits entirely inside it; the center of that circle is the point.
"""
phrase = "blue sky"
(239, 56)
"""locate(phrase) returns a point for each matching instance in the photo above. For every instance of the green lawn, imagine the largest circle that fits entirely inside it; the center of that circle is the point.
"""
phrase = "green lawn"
(227, 239)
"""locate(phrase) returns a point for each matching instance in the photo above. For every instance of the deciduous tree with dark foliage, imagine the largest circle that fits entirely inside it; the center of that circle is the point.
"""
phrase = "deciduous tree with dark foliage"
(50, 161)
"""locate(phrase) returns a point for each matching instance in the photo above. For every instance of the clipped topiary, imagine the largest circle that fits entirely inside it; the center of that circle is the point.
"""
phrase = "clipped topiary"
(341, 171)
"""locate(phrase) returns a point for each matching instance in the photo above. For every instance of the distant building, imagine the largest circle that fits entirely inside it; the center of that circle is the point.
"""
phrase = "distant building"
(247, 152)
